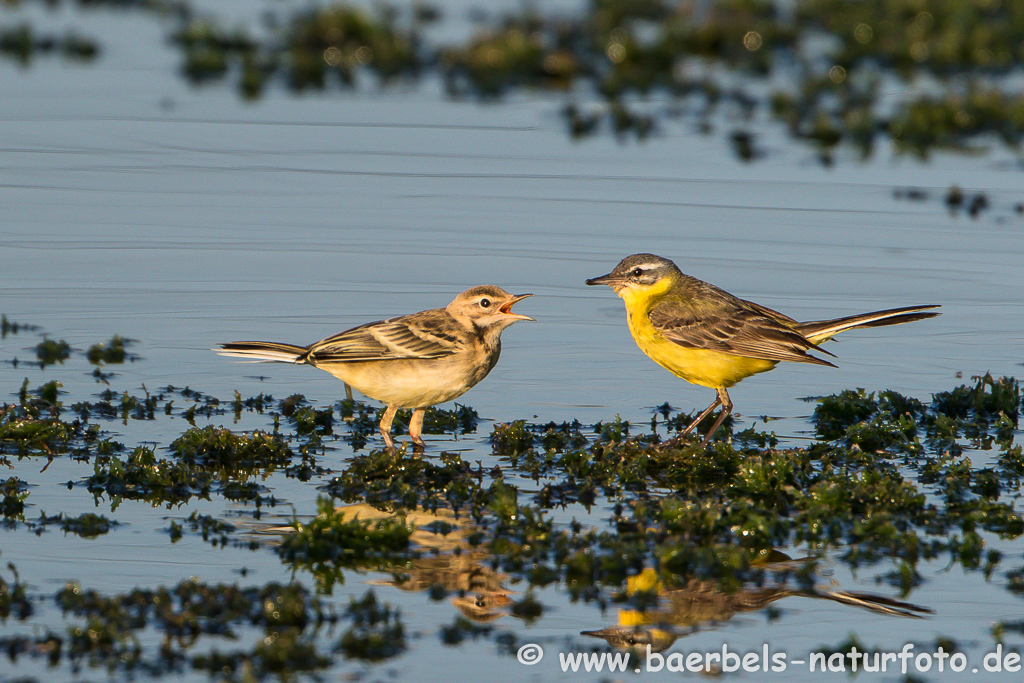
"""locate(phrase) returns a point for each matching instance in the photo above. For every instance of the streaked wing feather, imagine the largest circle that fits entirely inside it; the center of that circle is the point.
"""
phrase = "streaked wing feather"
(740, 330)
(772, 313)
(423, 335)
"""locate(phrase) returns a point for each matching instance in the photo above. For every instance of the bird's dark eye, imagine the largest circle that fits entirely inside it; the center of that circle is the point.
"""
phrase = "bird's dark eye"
(637, 272)
(485, 303)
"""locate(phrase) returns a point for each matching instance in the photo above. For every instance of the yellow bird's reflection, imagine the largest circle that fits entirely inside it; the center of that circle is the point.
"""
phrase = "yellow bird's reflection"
(681, 611)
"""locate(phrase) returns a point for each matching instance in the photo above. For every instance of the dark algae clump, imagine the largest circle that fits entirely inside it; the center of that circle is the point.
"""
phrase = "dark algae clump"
(395, 478)
(112, 352)
(50, 352)
(86, 525)
(14, 601)
(333, 541)
(12, 505)
(32, 426)
(376, 633)
(286, 618)
(221, 449)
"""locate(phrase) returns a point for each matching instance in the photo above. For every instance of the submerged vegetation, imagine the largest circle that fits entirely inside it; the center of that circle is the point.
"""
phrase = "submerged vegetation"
(689, 535)
(825, 69)
(22, 44)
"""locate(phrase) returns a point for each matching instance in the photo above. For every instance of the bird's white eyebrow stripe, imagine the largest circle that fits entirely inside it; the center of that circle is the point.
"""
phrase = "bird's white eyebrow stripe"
(646, 266)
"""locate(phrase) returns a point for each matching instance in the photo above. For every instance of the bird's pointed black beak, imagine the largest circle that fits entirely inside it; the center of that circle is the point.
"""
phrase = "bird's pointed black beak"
(609, 279)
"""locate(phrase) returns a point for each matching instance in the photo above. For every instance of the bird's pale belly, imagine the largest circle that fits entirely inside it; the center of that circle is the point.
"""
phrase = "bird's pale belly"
(698, 366)
(409, 383)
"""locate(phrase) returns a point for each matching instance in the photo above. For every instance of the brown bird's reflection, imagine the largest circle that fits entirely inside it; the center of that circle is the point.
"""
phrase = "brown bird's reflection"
(682, 611)
(479, 591)
(458, 569)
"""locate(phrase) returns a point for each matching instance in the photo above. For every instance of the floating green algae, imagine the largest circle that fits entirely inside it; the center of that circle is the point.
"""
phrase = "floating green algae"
(316, 49)
(143, 476)
(394, 478)
(14, 600)
(376, 633)
(112, 352)
(8, 326)
(220, 449)
(191, 615)
(12, 505)
(511, 438)
(22, 44)
(619, 48)
(332, 542)
(50, 352)
(86, 525)
(826, 70)
(31, 427)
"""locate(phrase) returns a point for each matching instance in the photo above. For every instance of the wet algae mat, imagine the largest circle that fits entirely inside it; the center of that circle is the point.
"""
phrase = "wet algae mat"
(674, 539)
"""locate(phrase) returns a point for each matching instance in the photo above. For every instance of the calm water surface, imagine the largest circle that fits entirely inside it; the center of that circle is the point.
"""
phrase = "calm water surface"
(136, 205)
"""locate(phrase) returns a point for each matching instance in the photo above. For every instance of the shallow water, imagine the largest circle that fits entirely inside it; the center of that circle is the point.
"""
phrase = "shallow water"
(180, 217)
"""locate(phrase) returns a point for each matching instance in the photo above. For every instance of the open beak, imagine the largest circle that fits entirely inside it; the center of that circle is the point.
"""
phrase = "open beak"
(506, 308)
(610, 279)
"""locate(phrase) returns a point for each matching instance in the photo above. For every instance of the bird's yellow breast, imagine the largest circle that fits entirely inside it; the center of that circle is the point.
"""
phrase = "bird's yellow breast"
(698, 366)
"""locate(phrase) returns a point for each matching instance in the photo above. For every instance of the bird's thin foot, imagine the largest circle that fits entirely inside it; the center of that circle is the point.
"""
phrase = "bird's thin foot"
(385, 426)
(416, 428)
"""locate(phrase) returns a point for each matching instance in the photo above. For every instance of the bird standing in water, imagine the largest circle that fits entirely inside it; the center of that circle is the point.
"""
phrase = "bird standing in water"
(413, 361)
(709, 337)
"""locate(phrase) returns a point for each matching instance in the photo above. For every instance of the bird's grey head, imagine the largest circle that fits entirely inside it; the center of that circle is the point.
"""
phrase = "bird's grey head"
(634, 638)
(639, 271)
(487, 308)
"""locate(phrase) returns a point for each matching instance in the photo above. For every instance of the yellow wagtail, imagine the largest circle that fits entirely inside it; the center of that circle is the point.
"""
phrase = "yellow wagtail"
(710, 337)
(413, 361)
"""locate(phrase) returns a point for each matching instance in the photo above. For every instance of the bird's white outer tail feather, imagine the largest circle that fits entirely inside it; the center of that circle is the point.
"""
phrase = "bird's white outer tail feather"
(822, 330)
(262, 352)
(878, 603)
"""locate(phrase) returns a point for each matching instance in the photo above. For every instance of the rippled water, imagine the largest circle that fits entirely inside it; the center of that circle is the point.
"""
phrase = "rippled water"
(178, 217)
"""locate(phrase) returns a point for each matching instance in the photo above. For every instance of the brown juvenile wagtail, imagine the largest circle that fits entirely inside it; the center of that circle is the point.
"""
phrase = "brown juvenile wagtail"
(413, 361)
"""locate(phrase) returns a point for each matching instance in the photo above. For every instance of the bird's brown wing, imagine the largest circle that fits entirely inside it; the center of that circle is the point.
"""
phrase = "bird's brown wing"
(782, 318)
(733, 328)
(424, 335)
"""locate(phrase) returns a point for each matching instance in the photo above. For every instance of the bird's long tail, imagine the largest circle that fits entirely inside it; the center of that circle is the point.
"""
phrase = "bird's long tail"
(876, 603)
(822, 330)
(258, 351)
